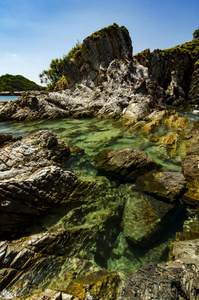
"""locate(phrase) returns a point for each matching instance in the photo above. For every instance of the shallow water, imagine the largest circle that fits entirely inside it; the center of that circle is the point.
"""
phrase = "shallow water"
(94, 135)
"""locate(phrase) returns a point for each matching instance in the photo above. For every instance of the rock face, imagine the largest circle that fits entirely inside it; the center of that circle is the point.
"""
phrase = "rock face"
(194, 86)
(125, 163)
(96, 53)
(173, 70)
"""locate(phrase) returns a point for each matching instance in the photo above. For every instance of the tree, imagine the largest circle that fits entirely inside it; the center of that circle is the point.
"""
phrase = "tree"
(55, 72)
(196, 34)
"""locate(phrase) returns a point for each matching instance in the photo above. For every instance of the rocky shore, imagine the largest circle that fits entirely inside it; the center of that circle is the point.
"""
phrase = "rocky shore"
(59, 234)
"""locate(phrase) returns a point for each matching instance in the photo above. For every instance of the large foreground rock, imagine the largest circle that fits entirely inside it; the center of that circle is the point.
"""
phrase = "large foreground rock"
(125, 163)
(31, 180)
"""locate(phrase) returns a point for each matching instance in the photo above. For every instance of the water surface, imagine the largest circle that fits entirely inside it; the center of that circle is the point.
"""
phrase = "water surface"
(8, 98)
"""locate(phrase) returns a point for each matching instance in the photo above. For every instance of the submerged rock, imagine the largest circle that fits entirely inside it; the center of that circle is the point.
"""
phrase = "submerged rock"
(145, 218)
(125, 163)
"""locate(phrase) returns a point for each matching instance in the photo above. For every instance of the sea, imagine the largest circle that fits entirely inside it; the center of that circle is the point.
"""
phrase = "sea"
(8, 98)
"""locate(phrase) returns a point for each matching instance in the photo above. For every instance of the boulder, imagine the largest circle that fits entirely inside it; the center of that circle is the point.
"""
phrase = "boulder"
(167, 186)
(4, 137)
(125, 163)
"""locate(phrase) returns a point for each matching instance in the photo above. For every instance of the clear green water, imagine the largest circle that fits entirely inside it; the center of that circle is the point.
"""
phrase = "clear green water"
(94, 135)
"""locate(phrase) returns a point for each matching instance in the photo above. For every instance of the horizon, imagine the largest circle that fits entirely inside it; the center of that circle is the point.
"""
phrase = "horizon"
(34, 32)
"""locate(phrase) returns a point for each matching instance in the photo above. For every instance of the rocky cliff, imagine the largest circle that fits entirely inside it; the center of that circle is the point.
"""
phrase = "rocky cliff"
(100, 79)
(96, 53)
(175, 70)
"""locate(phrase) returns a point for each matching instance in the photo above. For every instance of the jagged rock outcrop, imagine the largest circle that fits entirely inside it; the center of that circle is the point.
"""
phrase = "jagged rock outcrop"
(172, 69)
(101, 80)
(96, 53)
(193, 95)
(33, 105)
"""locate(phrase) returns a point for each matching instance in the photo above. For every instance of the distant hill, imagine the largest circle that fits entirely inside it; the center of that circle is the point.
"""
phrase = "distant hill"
(13, 83)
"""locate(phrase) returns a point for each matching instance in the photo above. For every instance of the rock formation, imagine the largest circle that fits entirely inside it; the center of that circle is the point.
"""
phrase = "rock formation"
(173, 70)
(101, 80)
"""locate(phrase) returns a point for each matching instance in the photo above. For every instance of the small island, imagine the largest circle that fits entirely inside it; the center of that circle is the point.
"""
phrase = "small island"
(16, 85)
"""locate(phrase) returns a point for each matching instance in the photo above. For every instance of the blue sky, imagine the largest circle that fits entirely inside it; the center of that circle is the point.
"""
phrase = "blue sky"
(33, 32)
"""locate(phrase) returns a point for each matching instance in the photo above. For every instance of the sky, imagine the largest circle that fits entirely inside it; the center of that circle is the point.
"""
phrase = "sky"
(33, 32)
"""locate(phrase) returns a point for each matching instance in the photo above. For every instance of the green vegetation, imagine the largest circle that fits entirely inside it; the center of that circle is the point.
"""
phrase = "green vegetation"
(55, 72)
(13, 83)
(196, 34)
(97, 34)
(191, 48)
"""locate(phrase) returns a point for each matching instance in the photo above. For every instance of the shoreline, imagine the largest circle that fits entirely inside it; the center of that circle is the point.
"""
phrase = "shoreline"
(7, 93)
